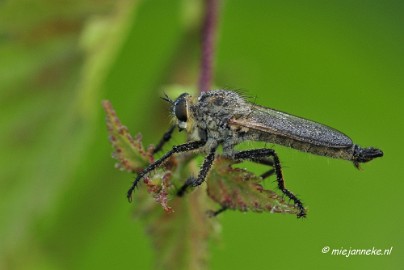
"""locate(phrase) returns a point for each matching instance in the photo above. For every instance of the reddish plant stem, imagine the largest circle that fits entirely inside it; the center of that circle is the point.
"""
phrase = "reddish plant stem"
(208, 36)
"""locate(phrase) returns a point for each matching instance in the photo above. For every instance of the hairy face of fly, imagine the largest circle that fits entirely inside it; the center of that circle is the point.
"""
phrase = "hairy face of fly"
(182, 113)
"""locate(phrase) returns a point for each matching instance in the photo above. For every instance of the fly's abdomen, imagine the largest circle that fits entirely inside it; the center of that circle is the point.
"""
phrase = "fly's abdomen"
(338, 152)
(272, 126)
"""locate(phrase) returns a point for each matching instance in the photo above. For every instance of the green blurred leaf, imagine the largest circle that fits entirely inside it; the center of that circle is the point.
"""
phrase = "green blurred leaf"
(55, 57)
(239, 189)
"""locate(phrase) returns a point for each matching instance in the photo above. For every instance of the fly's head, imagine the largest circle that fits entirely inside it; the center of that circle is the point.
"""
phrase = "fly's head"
(181, 110)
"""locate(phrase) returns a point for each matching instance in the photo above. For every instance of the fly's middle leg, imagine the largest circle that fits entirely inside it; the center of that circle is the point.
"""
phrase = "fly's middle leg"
(260, 156)
(193, 182)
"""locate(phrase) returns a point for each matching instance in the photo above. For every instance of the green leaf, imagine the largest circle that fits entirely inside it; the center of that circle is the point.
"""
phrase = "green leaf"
(241, 190)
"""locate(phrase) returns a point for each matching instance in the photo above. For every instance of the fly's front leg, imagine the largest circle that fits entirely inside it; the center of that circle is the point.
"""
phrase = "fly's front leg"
(206, 166)
(260, 154)
(186, 147)
(166, 138)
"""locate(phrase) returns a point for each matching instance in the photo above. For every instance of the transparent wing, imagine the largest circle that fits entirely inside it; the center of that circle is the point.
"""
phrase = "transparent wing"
(275, 122)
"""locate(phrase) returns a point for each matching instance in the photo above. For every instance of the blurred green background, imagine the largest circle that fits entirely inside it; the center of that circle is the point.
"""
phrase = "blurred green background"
(62, 203)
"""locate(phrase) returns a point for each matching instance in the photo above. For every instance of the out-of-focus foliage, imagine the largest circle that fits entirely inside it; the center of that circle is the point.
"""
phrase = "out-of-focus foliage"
(63, 204)
(54, 58)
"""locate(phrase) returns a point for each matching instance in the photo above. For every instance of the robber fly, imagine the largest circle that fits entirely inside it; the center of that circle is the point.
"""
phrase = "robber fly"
(225, 118)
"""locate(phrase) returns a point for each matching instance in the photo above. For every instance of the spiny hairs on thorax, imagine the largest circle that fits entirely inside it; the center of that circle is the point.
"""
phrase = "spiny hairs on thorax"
(214, 108)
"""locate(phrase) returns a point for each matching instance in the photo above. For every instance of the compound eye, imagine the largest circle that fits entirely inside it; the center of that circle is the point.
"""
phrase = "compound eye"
(181, 110)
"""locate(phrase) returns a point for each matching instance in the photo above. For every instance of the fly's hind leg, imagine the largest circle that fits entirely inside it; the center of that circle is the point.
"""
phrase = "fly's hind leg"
(266, 174)
(260, 156)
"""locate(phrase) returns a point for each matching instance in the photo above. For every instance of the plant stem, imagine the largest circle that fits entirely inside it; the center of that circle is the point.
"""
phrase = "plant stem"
(208, 35)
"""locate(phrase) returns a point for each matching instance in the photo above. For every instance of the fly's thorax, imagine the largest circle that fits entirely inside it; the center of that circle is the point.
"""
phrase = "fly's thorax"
(213, 110)
(207, 118)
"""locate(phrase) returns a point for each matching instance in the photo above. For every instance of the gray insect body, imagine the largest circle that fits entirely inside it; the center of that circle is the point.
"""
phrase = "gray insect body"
(225, 118)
